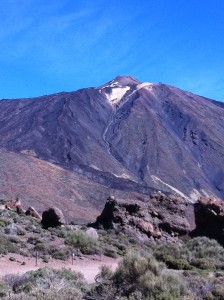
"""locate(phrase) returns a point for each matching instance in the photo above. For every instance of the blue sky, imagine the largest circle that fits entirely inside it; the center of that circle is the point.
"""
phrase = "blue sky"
(63, 45)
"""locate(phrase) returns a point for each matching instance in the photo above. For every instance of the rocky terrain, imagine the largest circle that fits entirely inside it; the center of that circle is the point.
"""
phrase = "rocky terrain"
(124, 138)
(156, 249)
(162, 218)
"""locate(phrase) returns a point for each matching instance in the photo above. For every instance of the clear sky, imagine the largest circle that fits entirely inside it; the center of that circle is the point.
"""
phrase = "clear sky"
(48, 46)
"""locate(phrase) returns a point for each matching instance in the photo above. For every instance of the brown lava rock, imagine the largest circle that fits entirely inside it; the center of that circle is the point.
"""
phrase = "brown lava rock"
(161, 217)
(209, 219)
(31, 211)
(52, 217)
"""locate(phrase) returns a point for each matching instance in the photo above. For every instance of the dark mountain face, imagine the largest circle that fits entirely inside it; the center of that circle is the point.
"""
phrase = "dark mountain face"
(125, 135)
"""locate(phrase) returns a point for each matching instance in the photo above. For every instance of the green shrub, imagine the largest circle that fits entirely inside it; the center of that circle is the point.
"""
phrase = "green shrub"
(5, 221)
(48, 281)
(2, 223)
(23, 245)
(111, 252)
(6, 245)
(4, 290)
(41, 247)
(204, 264)
(203, 247)
(14, 239)
(35, 240)
(218, 291)
(46, 259)
(82, 241)
(53, 294)
(138, 278)
(20, 231)
(16, 281)
(167, 250)
(176, 263)
(75, 279)
(60, 253)
(23, 253)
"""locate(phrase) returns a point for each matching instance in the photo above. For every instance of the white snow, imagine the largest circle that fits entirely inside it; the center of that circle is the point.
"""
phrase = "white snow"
(123, 175)
(117, 94)
(95, 167)
(116, 91)
(148, 85)
(195, 194)
(157, 179)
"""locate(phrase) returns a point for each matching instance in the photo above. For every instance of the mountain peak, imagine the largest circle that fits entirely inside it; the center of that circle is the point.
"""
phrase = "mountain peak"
(126, 80)
(122, 81)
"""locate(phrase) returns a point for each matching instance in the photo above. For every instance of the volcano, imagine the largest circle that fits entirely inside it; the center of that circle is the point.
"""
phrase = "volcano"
(125, 138)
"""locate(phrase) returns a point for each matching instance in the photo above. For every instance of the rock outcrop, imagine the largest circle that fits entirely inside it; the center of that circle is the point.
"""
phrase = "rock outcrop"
(20, 210)
(17, 205)
(163, 217)
(13, 204)
(209, 219)
(52, 217)
(31, 211)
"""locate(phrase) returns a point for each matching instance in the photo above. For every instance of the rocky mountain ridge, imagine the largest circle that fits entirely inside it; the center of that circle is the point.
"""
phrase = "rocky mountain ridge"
(124, 137)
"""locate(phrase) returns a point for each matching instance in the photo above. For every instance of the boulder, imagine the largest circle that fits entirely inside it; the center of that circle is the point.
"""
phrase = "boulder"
(31, 211)
(52, 217)
(92, 233)
(209, 219)
(20, 210)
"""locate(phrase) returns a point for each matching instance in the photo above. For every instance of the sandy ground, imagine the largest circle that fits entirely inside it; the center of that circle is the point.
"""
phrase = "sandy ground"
(89, 266)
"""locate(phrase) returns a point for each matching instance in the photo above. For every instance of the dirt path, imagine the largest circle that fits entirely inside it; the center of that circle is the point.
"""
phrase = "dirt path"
(88, 266)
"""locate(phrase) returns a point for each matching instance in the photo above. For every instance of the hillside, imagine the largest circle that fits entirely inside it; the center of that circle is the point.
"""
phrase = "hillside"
(125, 138)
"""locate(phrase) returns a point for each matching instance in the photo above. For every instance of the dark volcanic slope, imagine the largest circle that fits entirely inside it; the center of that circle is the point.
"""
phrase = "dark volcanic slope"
(125, 135)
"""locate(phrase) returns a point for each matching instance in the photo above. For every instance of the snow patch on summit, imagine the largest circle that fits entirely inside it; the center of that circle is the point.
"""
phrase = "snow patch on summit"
(116, 94)
(147, 85)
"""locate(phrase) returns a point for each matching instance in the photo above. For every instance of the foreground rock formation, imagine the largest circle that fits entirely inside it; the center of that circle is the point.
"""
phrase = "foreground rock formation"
(17, 205)
(31, 211)
(165, 218)
(209, 219)
(162, 217)
(52, 217)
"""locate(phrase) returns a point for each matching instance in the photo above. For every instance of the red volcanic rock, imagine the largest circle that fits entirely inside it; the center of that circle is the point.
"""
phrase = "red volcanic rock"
(161, 217)
(33, 213)
(20, 210)
(148, 228)
(209, 218)
(13, 204)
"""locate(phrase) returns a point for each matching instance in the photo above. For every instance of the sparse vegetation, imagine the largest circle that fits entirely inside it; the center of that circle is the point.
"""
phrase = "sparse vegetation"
(186, 270)
(6, 245)
(139, 277)
(81, 241)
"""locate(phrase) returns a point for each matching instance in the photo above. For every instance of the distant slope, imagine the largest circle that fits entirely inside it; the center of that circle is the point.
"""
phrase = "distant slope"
(42, 184)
